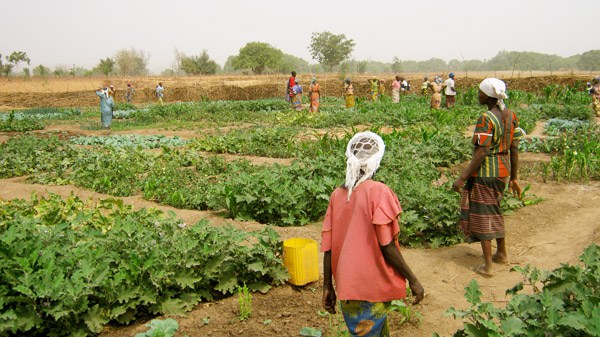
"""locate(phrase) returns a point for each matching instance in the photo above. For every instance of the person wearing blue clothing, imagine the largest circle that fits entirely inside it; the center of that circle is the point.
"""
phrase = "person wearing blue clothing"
(107, 105)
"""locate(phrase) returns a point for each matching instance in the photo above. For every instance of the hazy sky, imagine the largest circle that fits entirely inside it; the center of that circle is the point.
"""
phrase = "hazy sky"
(81, 32)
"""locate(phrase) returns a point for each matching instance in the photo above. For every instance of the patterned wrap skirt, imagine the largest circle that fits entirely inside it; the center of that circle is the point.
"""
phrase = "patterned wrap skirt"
(349, 101)
(480, 214)
(366, 319)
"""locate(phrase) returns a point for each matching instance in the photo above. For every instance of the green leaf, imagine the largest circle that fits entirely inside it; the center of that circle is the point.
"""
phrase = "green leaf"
(310, 332)
(172, 306)
(513, 326)
(473, 294)
(94, 319)
(575, 320)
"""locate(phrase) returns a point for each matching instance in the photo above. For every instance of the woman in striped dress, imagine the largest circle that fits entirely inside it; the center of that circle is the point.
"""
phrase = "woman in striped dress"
(494, 165)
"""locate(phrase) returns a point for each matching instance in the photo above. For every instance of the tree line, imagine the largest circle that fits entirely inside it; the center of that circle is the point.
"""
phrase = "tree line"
(331, 52)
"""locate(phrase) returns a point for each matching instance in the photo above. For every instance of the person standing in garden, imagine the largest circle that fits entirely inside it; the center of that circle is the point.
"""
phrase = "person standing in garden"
(436, 95)
(595, 92)
(107, 105)
(396, 89)
(450, 91)
(291, 82)
(314, 95)
(360, 244)
(349, 94)
(297, 98)
(381, 89)
(129, 93)
(425, 86)
(374, 83)
(495, 164)
(160, 92)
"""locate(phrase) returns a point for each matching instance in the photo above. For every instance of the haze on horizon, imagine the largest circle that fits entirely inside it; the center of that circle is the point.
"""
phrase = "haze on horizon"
(80, 33)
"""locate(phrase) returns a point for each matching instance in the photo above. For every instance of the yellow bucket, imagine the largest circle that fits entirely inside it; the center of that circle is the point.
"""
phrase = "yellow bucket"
(301, 258)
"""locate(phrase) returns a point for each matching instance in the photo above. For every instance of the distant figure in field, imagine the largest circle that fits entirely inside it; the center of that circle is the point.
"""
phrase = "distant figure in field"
(595, 92)
(349, 94)
(425, 86)
(381, 89)
(107, 105)
(450, 91)
(495, 163)
(289, 95)
(374, 83)
(129, 93)
(436, 95)
(160, 92)
(314, 95)
(404, 86)
(297, 99)
(396, 89)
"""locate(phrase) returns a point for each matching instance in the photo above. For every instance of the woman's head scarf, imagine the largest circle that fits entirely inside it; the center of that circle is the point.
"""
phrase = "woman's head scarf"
(313, 80)
(363, 153)
(495, 88)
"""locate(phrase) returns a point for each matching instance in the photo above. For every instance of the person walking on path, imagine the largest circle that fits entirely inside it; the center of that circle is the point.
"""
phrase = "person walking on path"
(129, 93)
(360, 244)
(107, 105)
(314, 95)
(495, 164)
(160, 92)
(450, 91)
(349, 94)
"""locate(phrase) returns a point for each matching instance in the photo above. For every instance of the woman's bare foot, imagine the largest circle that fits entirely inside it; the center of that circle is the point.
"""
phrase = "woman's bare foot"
(481, 270)
(499, 259)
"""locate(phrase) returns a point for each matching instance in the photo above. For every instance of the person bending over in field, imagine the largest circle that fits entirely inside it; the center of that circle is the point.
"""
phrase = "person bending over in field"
(107, 105)
(495, 163)
(360, 244)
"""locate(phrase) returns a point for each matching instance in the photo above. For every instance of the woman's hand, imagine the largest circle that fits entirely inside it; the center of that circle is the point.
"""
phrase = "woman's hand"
(329, 299)
(513, 185)
(417, 291)
(458, 184)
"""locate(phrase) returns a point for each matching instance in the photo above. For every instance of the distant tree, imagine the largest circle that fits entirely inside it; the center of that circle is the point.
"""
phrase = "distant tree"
(433, 64)
(228, 66)
(198, 65)
(590, 60)
(41, 71)
(290, 62)
(396, 65)
(26, 72)
(330, 49)
(105, 67)
(60, 71)
(12, 61)
(258, 56)
(131, 62)
(361, 67)
(168, 72)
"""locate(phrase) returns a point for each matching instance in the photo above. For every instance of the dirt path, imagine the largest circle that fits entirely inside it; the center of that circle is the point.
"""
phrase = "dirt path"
(547, 234)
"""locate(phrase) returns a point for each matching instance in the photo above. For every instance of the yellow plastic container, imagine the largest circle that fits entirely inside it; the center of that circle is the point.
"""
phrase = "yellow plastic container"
(301, 258)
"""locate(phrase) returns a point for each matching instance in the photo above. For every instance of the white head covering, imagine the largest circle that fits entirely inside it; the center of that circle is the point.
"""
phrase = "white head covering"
(363, 153)
(495, 88)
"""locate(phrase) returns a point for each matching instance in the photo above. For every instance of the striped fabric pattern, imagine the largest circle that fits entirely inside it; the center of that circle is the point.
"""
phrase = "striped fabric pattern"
(498, 134)
(480, 214)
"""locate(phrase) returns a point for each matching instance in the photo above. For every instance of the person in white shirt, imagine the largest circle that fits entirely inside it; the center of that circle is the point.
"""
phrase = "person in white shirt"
(450, 91)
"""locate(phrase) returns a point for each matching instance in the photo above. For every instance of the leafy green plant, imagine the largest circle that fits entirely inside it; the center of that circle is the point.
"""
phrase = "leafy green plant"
(562, 302)
(160, 328)
(310, 332)
(245, 302)
(407, 313)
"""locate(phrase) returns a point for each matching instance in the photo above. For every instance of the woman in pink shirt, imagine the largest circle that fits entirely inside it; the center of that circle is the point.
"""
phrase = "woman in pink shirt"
(360, 244)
